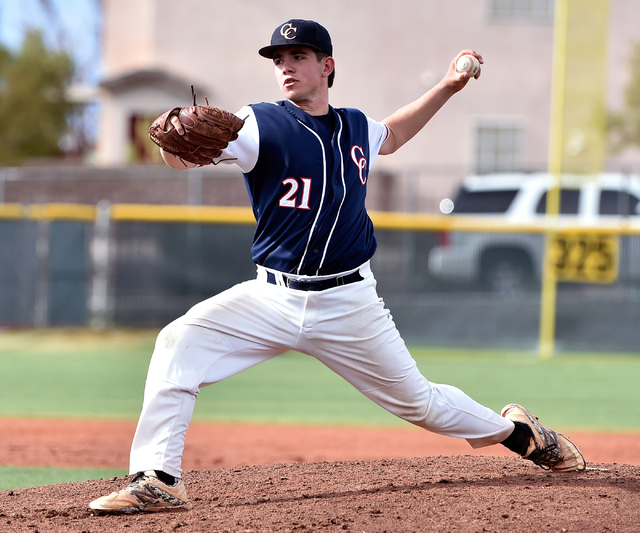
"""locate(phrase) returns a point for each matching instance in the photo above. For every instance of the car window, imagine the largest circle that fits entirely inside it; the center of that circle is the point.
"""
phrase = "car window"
(483, 201)
(614, 202)
(569, 200)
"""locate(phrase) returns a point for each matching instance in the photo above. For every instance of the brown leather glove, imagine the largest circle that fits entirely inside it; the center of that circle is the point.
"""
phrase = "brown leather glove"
(207, 131)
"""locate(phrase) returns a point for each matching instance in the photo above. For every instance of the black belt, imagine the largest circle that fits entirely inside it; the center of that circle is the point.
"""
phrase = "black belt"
(315, 285)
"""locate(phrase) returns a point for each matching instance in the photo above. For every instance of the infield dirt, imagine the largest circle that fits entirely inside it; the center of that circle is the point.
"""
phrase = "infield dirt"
(282, 478)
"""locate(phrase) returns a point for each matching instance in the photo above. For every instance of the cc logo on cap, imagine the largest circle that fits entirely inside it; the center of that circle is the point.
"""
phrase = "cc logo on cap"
(288, 31)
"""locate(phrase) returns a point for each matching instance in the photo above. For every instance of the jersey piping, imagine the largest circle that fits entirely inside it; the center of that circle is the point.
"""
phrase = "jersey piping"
(324, 189)
(344, 192)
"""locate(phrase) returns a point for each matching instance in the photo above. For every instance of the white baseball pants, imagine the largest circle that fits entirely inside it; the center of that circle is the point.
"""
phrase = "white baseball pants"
(346, 328)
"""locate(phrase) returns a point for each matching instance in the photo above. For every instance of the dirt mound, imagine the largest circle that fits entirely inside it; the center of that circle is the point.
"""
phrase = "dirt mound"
(463, 493)
(308, 479)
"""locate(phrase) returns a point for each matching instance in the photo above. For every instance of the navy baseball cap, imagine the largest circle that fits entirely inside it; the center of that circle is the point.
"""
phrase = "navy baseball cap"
(300, 32)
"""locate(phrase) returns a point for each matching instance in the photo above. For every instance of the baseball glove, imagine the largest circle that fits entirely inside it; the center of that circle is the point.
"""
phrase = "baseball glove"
(207, 131)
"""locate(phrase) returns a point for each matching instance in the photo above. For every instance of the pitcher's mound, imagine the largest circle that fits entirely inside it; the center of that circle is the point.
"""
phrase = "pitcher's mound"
(460, 493)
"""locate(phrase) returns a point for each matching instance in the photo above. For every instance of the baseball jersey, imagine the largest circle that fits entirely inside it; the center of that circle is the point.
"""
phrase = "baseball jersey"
(307, 181)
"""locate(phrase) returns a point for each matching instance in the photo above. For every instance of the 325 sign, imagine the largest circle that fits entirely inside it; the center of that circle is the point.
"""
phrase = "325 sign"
(585, 257)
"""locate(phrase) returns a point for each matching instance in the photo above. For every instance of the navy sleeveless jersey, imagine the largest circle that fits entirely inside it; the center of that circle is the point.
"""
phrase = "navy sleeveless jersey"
(308, 191)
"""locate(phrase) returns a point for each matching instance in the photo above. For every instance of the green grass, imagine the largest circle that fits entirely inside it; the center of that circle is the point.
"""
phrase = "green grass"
(84, 375)
(64, 374)
(18, 477)
(570, 392)
(589, 392)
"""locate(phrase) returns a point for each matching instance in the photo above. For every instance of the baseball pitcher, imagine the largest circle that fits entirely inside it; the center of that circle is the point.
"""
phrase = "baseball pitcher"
(306, 166)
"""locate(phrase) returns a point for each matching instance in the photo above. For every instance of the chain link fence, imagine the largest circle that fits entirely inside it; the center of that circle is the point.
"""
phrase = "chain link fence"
(143, 266)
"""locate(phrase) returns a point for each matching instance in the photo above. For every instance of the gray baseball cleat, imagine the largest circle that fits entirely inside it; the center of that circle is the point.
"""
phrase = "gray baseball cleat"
(548, 449)
(145, 493)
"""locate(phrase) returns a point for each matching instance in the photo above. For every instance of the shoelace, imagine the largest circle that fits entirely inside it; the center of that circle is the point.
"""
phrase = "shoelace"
(149, 492)
(137, 487)
(139, 476)
(546, 457)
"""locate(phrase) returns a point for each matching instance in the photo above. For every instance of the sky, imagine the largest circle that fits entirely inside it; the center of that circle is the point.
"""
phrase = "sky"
(72, 25)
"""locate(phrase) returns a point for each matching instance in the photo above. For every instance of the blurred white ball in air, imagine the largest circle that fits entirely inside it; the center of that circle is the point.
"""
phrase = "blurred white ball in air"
(446, 206)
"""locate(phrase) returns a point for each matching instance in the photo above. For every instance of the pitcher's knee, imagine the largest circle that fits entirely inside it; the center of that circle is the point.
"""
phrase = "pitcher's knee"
(171, 350)
(411, 404)
(170, 335)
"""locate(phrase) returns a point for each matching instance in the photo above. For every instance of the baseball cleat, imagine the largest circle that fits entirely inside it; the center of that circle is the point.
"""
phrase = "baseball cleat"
(145, 493)
(548, 449)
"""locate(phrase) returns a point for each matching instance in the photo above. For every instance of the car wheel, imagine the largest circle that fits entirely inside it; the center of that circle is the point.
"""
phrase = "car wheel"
(507, 273)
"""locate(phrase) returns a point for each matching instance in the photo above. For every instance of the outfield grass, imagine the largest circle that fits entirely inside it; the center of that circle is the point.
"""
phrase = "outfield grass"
(13, 477)
(64, 374)
(67, 374)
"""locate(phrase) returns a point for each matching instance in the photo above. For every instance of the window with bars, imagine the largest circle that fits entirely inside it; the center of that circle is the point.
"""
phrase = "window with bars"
(521, 10)
(499, 148)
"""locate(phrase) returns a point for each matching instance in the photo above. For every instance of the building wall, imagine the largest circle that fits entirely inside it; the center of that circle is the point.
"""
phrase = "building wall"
(130, 35)
(387, 54)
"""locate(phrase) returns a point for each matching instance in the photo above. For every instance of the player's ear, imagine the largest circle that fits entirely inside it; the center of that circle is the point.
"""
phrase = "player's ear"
(329, 70)
(329, 66)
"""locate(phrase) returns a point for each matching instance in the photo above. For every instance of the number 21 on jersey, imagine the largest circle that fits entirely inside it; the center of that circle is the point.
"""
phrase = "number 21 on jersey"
(294, 197)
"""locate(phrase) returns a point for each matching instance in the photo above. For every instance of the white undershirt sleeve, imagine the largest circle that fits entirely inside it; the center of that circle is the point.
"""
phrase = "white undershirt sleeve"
(244, 150)
(378, 133)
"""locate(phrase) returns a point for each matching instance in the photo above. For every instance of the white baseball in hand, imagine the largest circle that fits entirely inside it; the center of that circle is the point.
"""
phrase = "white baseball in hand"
(468, 63)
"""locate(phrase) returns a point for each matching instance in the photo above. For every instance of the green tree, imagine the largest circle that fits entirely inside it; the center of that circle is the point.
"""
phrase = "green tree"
(624, 125)
(33, 103)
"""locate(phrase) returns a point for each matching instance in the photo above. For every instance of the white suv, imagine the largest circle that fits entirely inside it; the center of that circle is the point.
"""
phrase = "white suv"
(511, 262)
